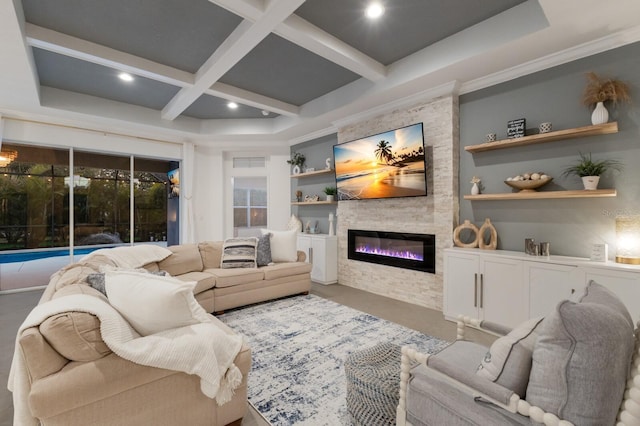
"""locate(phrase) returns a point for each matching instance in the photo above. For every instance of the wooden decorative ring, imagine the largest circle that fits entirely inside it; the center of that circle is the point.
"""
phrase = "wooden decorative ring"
(459, 228)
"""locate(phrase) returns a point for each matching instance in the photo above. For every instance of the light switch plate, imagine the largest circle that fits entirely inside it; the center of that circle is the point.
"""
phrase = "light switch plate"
(600, 252)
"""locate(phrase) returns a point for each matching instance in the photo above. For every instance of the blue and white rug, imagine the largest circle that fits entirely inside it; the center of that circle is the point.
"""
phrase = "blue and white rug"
(298, 347)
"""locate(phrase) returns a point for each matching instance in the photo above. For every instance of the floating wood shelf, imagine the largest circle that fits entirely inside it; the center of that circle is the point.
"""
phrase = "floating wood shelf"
(543, 195)
(313, 173)
(599, 129)
(312, 203)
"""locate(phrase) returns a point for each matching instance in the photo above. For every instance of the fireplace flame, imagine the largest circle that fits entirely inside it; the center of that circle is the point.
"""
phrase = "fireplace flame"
(399, 254)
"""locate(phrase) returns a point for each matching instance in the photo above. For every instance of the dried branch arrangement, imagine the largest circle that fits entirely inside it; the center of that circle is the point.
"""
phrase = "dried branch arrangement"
(601, 89)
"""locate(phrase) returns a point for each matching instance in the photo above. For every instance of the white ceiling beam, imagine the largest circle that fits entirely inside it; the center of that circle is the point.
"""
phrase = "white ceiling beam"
(245, 97)
(240, 42)
(301, 32)
(63, 44)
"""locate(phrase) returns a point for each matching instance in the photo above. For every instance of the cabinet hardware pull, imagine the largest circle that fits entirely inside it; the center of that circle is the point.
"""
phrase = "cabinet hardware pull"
(475, 290)
(481, 290)
(573, 290)
(311, 255)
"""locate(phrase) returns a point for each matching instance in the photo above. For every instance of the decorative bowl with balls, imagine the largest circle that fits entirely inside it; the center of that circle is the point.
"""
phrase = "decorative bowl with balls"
(528, 182)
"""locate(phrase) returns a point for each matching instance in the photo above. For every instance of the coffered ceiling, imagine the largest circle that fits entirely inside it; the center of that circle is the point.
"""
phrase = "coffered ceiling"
(295, 68)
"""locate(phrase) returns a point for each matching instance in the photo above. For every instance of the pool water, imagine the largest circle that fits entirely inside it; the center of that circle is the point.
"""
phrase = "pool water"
(27, 255)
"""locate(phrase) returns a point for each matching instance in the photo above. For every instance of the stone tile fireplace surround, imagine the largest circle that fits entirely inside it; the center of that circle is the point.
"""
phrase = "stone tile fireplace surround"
(434, 214)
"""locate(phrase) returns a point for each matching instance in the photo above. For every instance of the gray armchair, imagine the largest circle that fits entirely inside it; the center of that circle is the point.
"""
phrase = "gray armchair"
(579, 365)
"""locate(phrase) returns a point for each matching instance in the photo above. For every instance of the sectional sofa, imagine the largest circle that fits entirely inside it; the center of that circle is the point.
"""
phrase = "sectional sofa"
(65, 374)
(220, 289)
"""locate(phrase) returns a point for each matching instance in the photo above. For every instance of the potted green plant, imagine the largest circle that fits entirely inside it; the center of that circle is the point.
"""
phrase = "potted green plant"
(331, 192)
(590, 170)
(600, 90)
(297, 160)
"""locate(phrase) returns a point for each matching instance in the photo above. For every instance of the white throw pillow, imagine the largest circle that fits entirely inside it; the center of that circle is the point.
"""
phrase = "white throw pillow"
(152, 303)
(283, 245)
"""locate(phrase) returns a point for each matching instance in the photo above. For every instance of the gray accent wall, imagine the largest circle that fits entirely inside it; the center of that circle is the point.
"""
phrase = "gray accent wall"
(316, 152)
(571, 226)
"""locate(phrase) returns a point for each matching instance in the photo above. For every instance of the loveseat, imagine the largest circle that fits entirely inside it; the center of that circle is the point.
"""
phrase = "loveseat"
(66, 372)
(577, 366)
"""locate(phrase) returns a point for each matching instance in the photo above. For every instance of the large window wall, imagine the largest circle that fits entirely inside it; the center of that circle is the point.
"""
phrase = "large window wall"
(39, 187)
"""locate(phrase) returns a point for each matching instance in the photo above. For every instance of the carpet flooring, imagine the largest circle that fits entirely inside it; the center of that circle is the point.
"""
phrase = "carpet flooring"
(299, 345)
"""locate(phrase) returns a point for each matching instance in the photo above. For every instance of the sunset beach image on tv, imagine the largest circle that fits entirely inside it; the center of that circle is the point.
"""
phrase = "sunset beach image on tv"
(386, 165)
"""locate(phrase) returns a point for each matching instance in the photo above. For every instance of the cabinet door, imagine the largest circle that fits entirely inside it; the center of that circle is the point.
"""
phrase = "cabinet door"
(304, 245)
(461, 276)
(324, 257)
(624, 284)
(502, 297)
(549, 284)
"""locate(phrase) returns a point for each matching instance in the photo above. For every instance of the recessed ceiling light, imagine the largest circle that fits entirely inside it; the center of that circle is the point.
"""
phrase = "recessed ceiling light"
(374, 10)
(125, 77)
(232, 105)
(265, 112)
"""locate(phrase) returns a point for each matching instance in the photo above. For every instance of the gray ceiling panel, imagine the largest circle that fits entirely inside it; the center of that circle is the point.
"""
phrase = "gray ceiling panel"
(208, 107)
(63, 72)
(282, 70)
(178, 33)
(406, 26)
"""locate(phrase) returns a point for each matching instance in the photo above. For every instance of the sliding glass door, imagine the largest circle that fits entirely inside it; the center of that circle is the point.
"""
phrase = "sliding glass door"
(57, 203)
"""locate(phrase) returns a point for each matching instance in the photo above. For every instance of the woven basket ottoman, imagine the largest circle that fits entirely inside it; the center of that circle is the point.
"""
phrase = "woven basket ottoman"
(373, 385)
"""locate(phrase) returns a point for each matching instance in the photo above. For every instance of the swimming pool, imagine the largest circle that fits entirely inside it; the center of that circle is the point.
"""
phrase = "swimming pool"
(27, 255)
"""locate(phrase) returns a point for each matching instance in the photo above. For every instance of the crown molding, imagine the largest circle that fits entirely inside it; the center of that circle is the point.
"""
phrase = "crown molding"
(450, 88)
(313, 135)
(580, 51)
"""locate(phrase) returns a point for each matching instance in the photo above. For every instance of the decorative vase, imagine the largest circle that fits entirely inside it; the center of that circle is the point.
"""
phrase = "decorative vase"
(472, 229)
(600, 115)
(330, 198)
(331, 227)
(590, 182)
(294, 223)
(475, 190)
(492, 242)
(296, 170)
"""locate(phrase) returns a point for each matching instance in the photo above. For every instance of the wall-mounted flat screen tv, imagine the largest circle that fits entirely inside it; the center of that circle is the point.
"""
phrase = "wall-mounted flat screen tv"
(387, 165)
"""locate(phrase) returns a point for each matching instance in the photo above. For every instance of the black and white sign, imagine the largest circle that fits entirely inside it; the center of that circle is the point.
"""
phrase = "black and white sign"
(516, 128)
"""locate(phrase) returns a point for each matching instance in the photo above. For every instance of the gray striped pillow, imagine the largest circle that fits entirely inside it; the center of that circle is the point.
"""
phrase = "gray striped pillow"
(239, 253)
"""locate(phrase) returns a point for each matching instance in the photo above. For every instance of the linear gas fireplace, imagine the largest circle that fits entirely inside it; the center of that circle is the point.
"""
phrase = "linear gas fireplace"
(403, 250)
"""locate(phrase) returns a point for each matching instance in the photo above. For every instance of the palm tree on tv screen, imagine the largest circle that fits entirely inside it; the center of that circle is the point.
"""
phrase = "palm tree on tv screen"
(383, 152)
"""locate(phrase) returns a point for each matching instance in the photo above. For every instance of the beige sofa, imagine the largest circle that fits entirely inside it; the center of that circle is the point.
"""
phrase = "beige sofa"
(75, 379)
(220, 289)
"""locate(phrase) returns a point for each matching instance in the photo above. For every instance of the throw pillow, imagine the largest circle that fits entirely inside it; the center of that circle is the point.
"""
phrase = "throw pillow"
(580, 363)
(263, 252)
(508, 361)
(239, 253)
(152, 303)
(97, 281)
(595, 293)
(283, 245)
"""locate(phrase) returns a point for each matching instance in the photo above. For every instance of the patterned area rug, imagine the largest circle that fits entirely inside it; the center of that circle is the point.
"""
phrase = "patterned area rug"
(299, 345)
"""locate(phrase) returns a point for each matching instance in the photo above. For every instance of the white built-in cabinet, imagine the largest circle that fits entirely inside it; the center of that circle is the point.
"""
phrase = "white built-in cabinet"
(484, 287)
(508, 287)
(322, 253)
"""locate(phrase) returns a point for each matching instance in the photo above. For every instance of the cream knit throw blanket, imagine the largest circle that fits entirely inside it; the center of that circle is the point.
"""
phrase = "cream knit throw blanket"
(202, 349)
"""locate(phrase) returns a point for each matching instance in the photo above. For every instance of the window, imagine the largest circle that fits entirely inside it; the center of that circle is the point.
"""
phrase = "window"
(249, 205)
